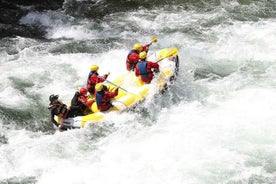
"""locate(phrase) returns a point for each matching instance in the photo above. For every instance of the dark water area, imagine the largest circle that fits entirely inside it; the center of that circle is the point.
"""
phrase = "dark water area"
(12, 11)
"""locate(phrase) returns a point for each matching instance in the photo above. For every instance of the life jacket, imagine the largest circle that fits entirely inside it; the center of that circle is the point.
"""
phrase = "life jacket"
(99, 97)
(89, 75)
(59, 109)
(91, 84)
(143, 69)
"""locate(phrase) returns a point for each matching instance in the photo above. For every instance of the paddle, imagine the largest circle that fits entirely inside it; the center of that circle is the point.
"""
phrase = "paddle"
(172, 52)
(138, 96)
(153, 39)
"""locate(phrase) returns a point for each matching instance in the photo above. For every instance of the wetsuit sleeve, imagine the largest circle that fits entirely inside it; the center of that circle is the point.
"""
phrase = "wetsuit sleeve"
(116, 91)
(74, 100)
(128, 66)
(137, 73)
(102, 78)
(85, 102)
(82, 100)
(153, 64)
(111, 94)
(53, 118)
(146, 48)
(89, 103)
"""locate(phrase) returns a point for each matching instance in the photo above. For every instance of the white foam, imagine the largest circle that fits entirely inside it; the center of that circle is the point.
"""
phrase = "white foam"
(227, 135)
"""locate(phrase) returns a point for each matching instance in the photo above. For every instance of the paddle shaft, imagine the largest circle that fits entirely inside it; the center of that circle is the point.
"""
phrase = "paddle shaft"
(138, 96)
(116, 85)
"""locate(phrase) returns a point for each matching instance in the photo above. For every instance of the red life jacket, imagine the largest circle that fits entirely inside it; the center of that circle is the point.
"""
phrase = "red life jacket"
(132, 59)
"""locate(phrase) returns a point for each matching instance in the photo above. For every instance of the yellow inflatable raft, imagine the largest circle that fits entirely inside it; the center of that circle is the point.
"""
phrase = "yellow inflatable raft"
(131, 89)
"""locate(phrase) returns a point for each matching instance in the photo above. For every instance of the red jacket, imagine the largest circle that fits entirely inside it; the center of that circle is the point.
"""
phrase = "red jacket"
(133, 58)
(143, 69)
(103, 99)
(83, 99)
(94, 79)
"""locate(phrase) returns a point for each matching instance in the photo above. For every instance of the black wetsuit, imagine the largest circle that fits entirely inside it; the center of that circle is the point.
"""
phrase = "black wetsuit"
(77, 107)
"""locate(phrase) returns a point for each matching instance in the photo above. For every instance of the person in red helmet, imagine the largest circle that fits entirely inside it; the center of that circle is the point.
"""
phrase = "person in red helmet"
(104, 97)
(94, 78)
(79, 104)
(83, 101)
(144, 68)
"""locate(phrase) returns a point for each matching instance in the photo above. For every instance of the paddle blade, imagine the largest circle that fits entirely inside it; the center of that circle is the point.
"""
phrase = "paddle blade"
(153, 39)
(162, 53)
(172, 52)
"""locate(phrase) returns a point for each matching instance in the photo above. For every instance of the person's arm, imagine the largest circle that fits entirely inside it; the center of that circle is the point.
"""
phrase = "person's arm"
(60, 125)
(128, 66)
(82, 100)
(53, 118)
(146, 47)
(112, 94)
(103, 78)
(89, 103)
(85, 102)
(74, 100)
(153, 64)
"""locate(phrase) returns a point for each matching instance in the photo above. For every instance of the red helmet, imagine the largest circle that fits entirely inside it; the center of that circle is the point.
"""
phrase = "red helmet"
(83, 91)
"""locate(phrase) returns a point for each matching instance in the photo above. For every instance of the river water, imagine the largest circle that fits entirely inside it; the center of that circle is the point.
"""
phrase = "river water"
(215, 124)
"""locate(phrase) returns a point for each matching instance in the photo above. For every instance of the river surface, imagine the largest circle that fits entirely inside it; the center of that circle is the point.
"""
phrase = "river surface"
(216, 124)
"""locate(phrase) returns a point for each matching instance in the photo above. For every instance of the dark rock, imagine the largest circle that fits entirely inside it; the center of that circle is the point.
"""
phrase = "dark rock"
(13, 10)
(37, 4)
(10, 13)
(9, 30)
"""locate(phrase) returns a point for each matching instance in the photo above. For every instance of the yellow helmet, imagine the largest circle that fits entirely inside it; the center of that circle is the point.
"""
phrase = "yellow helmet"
(99, 86)
(94, 68)
(138, 47)
(143, 55)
